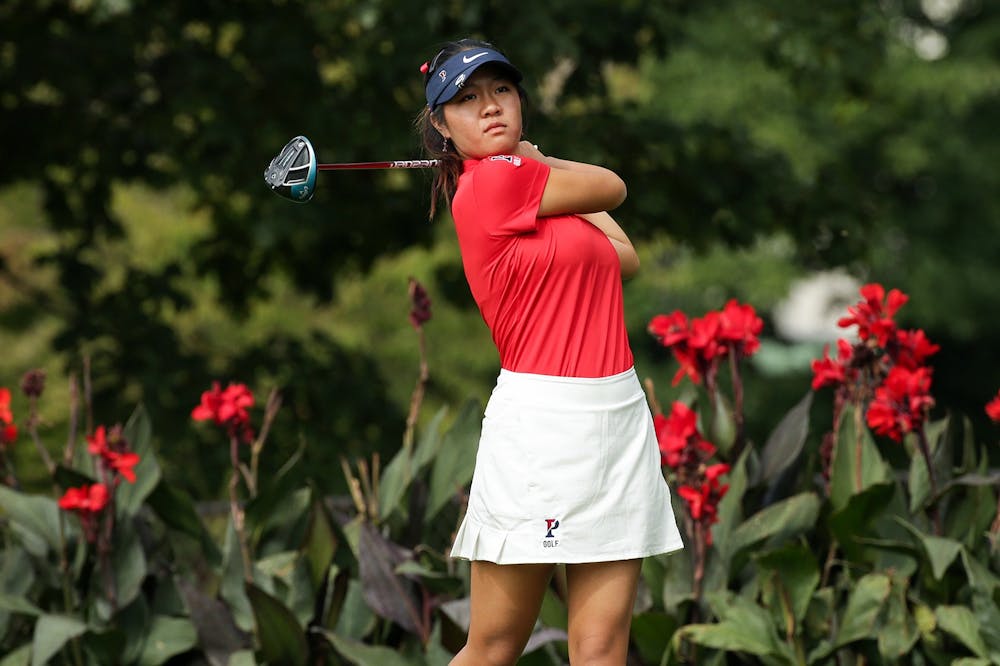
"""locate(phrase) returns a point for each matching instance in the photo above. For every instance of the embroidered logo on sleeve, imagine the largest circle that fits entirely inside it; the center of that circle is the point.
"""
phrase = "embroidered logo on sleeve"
(513, 159)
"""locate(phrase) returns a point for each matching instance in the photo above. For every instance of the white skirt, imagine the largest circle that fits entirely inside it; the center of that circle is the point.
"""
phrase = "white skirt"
(568, 471)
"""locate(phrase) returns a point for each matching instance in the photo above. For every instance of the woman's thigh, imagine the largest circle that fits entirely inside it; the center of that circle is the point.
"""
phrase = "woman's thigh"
(601, 599)
(505, 603)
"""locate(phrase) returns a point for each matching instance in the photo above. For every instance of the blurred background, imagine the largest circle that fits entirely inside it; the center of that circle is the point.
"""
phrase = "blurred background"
(779, 153)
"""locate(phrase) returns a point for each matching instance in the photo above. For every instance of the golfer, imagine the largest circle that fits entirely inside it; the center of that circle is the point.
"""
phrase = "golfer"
(568, 469)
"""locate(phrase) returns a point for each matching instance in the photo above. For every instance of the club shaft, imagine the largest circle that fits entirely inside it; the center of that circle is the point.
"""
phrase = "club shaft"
(396, 164)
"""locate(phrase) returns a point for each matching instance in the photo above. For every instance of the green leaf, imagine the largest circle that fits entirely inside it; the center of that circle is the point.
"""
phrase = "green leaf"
(37, 515)
(918, 482)
(980, 577)
(320, 543)
(18, 605)
(795, 575)
(395, 480)
(730, 506)
(785, 442)
(857, 464)
(988, 614)
(651, 634)
(282, 639)
(177, 511)
(52, 632)
(940, 552)
(898, 633)
(129, 564)
(19, 657)
(781, 519)
(721, 426)
(242, 658)
(863, 607)
(456, 458)
(744, 627)
(139, 433)
(356, 619)
(436, 654)
(168, 636)
(852, 521)
(429, 442)
(367, 655)
(960, 622)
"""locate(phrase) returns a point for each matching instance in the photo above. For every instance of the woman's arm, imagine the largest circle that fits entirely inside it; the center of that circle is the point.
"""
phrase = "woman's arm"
(589, 191)
(619, 240)
(575, 187)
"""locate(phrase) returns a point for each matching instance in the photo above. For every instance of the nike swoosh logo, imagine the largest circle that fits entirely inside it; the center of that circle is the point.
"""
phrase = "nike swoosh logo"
(467, 59)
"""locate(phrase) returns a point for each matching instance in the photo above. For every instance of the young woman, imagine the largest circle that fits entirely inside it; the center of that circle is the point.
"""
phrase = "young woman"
(568, 469)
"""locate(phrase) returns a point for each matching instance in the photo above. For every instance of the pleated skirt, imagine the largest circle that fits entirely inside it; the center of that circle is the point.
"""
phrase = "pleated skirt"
(567, 471)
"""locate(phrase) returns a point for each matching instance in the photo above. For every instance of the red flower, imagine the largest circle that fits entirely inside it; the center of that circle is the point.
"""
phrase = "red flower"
(8, 435)
(703, 498)
(873, 316)
(227, 408)
(913, 348)
(832, 372)
(112, 450)
(673, 432)
(87, 502)
(704, 336)
(85, 499)
(993, 408)
(713, 472)
(5, 414)
(123, 464)
(740, 325)
(669, 329)
(97, 444)
(695, 500)
(901, 402)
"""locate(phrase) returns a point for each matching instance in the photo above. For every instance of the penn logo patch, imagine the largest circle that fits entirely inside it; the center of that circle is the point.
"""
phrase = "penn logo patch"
(513, 159)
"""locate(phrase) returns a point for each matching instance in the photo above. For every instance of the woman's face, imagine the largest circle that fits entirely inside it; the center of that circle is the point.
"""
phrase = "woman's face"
(484, 118)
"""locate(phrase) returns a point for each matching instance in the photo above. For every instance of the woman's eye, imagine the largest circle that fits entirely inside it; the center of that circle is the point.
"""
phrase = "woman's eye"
(466, 97)
(504, 88)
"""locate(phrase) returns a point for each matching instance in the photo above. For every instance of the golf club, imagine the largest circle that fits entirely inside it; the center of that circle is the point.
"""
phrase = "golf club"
(292, 174)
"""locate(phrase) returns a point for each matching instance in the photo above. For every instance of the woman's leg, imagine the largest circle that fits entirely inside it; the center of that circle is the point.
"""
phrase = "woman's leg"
(505, 603)
(601, 598)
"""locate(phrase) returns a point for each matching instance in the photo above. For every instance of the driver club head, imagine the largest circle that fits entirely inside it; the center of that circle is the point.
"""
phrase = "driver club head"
(292, 174)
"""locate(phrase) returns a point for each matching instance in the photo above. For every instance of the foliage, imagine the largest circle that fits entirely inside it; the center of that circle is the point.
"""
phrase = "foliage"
(832, 125)
(803, 556)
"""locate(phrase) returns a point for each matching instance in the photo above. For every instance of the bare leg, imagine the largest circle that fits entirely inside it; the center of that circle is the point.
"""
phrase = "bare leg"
(505, 603)
(601, 598)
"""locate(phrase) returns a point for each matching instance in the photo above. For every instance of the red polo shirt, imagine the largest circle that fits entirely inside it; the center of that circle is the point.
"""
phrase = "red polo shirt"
(548, 288)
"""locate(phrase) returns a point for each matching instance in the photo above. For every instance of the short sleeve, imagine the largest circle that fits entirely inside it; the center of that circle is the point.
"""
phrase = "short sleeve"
(507, 190)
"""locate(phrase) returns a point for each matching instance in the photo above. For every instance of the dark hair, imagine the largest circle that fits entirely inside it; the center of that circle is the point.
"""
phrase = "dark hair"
(446, 175)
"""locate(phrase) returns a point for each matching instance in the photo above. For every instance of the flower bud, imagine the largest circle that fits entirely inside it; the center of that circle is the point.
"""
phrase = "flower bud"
(33, 383)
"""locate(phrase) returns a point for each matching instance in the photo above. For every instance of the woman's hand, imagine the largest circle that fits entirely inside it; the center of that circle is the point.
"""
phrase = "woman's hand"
(528, 149)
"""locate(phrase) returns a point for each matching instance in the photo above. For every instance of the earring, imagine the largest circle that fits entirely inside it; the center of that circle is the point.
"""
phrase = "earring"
(444, 146)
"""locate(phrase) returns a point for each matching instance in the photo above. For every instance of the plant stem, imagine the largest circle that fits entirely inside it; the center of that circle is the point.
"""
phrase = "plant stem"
(699, 568)
(270, 412)
(236, 512)
(33, 430)
(88, 394)
(925, 451)
(734, 371)
(418, 393)
(67, 592)
(858, 425)
(995, 527)
(74, 406)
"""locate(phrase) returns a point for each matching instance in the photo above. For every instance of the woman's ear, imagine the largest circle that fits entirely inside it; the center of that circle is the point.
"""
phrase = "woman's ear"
(441, 127)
